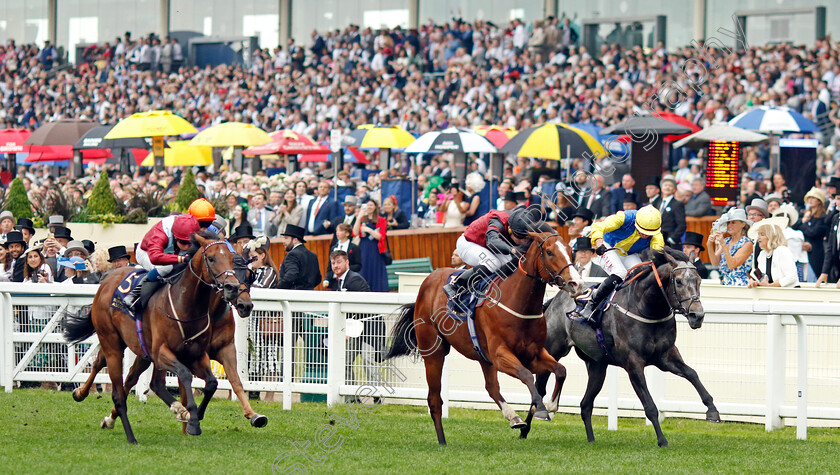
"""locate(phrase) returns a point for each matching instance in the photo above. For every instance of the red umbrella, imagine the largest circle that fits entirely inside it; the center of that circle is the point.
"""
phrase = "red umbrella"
(12, 140)
(60, 153)
(351, 155)
(497, 135)
(287, 142)
(680, 120)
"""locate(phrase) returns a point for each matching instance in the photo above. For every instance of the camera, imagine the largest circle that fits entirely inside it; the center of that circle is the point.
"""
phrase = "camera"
(719, 225)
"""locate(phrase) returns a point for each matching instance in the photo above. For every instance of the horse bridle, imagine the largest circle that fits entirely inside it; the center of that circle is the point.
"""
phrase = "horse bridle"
(556, 278)
(216, 285)
(680, 309)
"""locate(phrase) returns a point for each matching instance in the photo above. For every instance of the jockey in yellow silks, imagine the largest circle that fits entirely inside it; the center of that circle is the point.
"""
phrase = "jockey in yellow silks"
(627, 233)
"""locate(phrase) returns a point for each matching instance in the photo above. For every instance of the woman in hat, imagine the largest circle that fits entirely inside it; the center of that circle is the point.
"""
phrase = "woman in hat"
(5, 263)
(370, 228)
(814, 227)
(289, 212)
(775, 266)
(732, 253)
(264, 270)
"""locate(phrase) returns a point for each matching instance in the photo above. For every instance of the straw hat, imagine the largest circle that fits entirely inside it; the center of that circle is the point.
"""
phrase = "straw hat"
(816, 193)
(788, 211)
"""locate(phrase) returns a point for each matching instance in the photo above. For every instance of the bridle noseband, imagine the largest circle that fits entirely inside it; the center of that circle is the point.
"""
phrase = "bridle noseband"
(216, 284)
(554, 278)
(680, 308)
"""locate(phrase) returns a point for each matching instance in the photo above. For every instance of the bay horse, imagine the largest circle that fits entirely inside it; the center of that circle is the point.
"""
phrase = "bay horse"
(511, 330)
(221, 349)
(639, 329)
(175, 327)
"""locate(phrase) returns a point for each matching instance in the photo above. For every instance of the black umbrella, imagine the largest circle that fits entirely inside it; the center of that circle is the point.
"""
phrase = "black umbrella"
(95, 138)
(637, 126)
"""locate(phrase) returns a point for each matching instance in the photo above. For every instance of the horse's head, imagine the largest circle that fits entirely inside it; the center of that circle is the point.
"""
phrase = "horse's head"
(212, 263)
(682, 286)
(554, 263)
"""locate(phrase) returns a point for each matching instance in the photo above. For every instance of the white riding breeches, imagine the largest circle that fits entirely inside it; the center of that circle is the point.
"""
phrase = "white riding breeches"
(616, 264)
(475, 255)
(143, 259)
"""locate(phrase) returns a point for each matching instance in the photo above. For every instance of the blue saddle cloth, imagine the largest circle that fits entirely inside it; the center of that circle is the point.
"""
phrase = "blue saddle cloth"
(128, 283)
(463, 307)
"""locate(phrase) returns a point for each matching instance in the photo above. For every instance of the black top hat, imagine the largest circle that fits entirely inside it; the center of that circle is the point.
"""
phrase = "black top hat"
(630, 198)
(520, 196)
(653, 180)
(585, 214)
(294, 231)
(117, 252)
(694, 239)
(89, 246)
(26, 223)
(510, 196)
(243, 231)
(62, 233)
(835, 182)
(583, 244)
(14, 237)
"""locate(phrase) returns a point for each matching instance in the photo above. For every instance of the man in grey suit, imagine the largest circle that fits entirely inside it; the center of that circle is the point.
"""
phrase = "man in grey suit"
(700, 203)
(583, 259)
(260, 215)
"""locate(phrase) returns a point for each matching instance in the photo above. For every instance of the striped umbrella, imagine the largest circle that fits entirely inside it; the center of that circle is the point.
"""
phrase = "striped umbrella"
(452, 140)
(774, 119)
(498, 135)
(680, 120)
(371, 137)
(554, 142)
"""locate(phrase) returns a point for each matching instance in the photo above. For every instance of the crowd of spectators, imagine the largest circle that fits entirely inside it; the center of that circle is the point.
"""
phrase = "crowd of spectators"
(454, 74)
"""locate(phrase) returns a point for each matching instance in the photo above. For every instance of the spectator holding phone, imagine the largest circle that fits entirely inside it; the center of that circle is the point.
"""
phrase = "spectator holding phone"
(36, 270)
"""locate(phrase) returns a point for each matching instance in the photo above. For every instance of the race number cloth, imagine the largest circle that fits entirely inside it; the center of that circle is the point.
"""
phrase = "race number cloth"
(128, 283)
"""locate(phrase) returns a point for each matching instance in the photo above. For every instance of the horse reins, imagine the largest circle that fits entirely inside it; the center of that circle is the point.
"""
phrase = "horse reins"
(556, 278)
(672, 310)
(215, 284)
(178, 319)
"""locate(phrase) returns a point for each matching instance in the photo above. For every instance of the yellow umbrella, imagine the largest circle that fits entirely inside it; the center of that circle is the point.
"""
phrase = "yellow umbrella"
(181, 153)
(555, 142)
(369, 136)
(150, 124)
(229, 134)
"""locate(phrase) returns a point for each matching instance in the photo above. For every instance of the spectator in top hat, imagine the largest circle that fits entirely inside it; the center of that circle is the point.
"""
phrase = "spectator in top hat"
(240, 237)
(832, 188)
(774, 201)
(509, 200)
(756, 211)
(652, 191)
(118, 257)
(300, 269)
(219, 226)
(54, 221)
(7, 222)
(16, 245)
(631, 202)
(583, 259)
(27, 228)
(831, 261)
(5, 263)
(580, 219)
(693, 242)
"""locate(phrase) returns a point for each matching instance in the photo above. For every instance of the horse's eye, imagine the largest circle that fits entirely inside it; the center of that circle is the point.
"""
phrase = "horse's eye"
(679, 282)
(211, 259)
(550, 254)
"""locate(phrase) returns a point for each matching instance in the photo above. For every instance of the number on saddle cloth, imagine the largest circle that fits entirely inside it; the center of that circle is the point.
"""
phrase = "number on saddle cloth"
(131, 280)
(464, 306)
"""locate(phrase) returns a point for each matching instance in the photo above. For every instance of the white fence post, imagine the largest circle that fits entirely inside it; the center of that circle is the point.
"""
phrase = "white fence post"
(612, 398)
(287, 355)
(7, 352)
(801, 378)
(240, 342)
(444, 387)
(336, 352)
(656, 386)
(775, 389)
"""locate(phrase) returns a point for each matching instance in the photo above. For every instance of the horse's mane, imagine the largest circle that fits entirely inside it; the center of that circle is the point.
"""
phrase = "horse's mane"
(195, 246)
(658, 258)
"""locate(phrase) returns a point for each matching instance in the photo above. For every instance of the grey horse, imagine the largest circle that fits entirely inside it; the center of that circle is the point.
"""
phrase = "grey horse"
(639, 329)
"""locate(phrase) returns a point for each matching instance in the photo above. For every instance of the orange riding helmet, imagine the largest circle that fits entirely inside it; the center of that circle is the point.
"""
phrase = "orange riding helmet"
(203, 210)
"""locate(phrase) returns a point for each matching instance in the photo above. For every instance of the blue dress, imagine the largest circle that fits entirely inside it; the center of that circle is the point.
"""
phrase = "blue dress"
(738, 276)
(373, 267)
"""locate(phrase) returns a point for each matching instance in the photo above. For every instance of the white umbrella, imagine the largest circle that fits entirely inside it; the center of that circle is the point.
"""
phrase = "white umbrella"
(721, 133)
(774, 119)
(452, 140)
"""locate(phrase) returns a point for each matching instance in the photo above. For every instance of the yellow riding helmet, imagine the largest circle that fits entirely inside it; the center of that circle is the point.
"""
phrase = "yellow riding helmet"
(648, 220)
(202, 210)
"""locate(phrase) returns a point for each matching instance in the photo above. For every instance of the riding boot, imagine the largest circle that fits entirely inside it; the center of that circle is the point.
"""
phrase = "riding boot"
(133, 297)
(603, 291)
(455, 288)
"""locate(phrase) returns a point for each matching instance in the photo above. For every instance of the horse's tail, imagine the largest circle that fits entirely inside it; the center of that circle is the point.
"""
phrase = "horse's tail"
(405, 339)
(77, 326)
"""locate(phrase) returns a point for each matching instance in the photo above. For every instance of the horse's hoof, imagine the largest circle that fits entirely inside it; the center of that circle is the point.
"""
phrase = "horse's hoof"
(107, 423)
(713, 416)
(542, 415)
(517, 423)
(193, 429)
(663, 443)
(132, 441)
(259, 421)
(77, 396)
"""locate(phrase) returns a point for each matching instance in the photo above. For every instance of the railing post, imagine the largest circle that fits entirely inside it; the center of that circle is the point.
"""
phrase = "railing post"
(801, 378)
(444, 388)
(775, 388)
(240, 338)
(656, 386)
(336, 352)
(7, 352)
(287, 355)
(612, 398)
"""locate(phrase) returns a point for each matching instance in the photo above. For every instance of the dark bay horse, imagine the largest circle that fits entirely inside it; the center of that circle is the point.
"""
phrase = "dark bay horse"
(511, 330)
(221, 349)
(639, 330)
(176, 326)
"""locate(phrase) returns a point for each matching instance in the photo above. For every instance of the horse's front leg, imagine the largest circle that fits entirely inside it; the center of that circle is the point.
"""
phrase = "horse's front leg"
(506, 362)
(543, 366)
(227, 357)
(202, 369)
(672, 361)
(636, 370)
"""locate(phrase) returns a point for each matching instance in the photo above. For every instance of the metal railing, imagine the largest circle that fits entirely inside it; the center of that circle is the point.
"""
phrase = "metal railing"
(772, 359)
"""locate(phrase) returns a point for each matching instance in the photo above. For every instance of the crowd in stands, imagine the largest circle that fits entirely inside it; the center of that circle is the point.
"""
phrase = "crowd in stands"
(456, 74)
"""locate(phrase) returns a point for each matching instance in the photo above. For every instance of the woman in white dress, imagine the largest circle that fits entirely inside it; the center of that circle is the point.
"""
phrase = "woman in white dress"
(455, 208)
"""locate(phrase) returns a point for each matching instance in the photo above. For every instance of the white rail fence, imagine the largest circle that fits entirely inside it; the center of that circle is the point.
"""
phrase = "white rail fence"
(759, 358)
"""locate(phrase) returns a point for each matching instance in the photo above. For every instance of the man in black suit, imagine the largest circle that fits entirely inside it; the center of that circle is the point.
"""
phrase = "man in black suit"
(673, 213)
(321, 212)
(599, 198)
(831, 260)
(300, 269)
(618, 195)
(15, 244)
(652, 191)
(693, 242)
(583, 259)
(341, 278)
